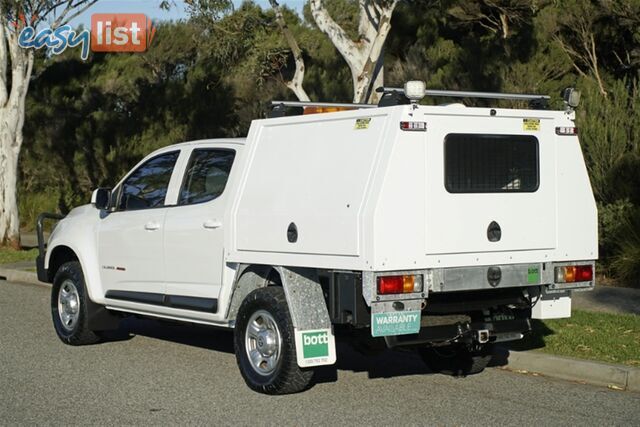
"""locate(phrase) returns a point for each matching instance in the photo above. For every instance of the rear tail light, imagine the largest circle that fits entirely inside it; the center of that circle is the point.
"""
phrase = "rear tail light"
(414, 126)
(574, 273)
(566, 130)
(404, 284)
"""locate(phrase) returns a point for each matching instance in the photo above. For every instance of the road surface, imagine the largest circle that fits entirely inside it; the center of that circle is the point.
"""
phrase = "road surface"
(157, 373)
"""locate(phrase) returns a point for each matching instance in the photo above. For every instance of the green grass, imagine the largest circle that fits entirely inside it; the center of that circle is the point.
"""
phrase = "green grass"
(9, 256)
(612, 338)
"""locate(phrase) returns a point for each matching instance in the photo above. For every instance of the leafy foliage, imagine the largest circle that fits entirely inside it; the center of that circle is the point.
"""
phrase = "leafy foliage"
(89, 122)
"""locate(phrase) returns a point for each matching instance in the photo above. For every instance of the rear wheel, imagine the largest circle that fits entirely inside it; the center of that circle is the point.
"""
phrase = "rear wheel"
(69, 306)
(456, 359)
(265, 345)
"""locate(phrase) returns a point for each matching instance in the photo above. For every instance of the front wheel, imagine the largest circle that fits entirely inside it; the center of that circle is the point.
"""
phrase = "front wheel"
(69, 306)
(265, 345)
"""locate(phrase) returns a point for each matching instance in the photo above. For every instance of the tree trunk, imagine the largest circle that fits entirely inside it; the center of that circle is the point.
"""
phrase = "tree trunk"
(9, 223)
(363, 57)
(295, 84)
(13, 93)
(11, 124)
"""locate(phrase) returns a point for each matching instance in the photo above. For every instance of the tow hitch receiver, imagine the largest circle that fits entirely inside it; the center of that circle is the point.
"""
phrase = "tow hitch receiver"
(482, 336)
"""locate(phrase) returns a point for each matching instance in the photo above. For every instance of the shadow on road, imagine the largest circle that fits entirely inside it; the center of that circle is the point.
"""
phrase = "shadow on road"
(533, 340)
(383, 364)
(188, 334)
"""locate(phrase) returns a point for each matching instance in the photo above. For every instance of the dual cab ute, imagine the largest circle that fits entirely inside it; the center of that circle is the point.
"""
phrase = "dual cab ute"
(443, 229)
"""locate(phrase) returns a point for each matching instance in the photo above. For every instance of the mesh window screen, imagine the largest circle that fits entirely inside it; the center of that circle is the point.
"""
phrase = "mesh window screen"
(476, 163)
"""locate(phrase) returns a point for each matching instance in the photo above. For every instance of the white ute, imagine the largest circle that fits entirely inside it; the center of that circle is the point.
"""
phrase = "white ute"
(444, 229)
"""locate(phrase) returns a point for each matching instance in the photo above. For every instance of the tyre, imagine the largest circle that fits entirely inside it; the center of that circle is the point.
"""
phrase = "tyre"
(69, 306)
(265, 344)
(457, 360)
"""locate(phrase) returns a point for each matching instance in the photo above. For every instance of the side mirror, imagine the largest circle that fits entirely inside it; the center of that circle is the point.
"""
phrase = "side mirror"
(101, 197)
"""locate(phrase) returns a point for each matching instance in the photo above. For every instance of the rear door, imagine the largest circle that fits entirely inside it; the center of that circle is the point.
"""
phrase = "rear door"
(194, 232)
(490, 184)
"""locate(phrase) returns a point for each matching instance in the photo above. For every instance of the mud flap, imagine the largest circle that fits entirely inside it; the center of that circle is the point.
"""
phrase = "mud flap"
(315, 342)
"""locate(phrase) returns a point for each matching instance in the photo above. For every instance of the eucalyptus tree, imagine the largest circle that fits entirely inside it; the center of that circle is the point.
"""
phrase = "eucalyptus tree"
(16, 67)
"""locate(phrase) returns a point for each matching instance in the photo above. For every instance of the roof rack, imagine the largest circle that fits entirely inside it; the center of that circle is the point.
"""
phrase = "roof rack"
(319, 104)
(466, 94)
(535, 101)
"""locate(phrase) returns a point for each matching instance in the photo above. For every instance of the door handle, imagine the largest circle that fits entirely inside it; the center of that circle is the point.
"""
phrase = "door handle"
(211, 224)
(151, 226)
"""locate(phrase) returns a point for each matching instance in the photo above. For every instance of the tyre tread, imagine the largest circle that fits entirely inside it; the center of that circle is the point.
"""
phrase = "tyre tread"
(291, 378)
(82, 335)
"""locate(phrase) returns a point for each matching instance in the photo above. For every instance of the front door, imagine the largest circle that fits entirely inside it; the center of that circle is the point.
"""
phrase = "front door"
(130, 238)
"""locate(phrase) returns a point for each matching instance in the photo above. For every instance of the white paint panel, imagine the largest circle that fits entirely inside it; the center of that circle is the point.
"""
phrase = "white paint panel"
(576, 206)
(313, 173)
(457, 223)
(552, 306)
(399, 224)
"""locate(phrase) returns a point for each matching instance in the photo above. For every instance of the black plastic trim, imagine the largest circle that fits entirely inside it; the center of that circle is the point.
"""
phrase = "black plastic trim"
(43, 274)
(142, 297)
(207, 305)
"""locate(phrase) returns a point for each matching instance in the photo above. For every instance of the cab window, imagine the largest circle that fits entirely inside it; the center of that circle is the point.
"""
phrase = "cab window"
(147, 186)
(206, 175)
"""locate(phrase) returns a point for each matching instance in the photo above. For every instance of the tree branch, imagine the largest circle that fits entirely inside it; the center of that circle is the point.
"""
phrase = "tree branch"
(336, 34)
(80, 7)
(295, 84)
(375, 52)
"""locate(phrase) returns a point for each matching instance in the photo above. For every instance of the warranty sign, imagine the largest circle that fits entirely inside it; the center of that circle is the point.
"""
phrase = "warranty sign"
(395, 323)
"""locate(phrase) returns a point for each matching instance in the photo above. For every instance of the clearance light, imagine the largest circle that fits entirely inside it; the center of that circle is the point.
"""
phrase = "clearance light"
(405, 284)
(566, 130)
(414, 126)
(574, 273)
(571, 97)
(415, 90)
(319, 110)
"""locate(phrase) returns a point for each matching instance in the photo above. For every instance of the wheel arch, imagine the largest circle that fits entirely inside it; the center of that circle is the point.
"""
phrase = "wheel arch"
(303, 291)
(65, 252)
(249, 278)
(60, 255)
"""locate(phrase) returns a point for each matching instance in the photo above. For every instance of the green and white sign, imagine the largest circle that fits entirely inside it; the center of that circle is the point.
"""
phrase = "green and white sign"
(315, 344)
(395, 323)
(315, 348)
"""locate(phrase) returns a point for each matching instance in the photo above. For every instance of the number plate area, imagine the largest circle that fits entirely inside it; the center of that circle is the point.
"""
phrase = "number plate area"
(395, 318)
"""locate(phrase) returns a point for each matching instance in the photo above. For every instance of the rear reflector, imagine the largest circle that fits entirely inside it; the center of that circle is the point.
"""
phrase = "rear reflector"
(405, 284)
(414, 126)
(566, 130)
(574, 273)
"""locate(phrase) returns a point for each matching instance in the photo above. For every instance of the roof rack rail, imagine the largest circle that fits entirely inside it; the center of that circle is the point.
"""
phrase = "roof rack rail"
(319, 104)
(467, 94)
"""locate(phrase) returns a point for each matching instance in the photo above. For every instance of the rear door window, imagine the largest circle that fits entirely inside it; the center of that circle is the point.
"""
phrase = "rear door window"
(479, 163)
(206, 175)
